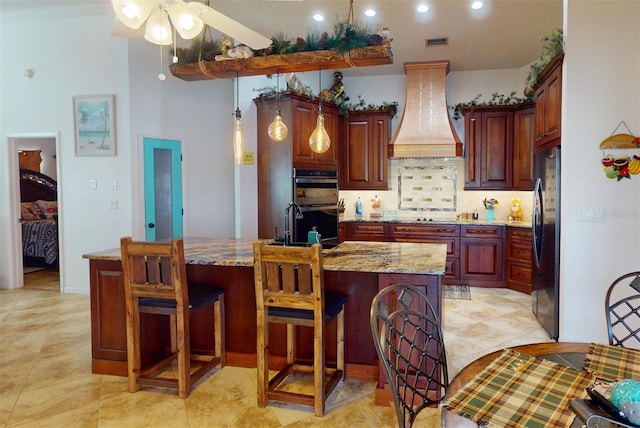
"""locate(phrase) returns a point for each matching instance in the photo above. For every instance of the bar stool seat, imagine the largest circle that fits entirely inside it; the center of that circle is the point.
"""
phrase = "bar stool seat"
(155, 282)
(289, 285)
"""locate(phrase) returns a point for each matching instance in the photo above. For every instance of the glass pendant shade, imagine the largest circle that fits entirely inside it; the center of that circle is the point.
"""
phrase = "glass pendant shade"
(319, 140)
(238, 138)
(277, 129)
(185, 21)
(158, 29)
(132, 13)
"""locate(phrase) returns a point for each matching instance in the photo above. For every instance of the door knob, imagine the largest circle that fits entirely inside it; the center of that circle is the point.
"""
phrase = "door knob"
(151, 225)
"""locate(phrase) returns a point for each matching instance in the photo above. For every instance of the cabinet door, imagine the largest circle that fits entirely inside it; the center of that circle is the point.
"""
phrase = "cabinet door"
(549, 105)
(304, 117)
(489, 149)
(332, 126)
(523, 141)
(496, 150)
(481, 259)
(482, 255)
(365, 140)
(553, 105)
(357, 156)
(472, 150)
(108, 314)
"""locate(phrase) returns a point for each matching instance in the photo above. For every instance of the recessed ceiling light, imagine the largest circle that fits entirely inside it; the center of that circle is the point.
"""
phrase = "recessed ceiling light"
(370, 12)
(477, 5)
(318, 17)
(422, 8)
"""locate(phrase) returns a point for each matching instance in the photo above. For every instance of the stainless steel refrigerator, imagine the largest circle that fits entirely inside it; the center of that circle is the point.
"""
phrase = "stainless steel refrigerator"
(546, 240)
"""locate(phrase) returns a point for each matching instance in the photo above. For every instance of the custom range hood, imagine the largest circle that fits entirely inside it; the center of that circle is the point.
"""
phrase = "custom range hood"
(425, 130)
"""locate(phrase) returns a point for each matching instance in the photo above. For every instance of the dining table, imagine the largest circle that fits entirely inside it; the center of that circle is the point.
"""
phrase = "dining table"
(571, 354)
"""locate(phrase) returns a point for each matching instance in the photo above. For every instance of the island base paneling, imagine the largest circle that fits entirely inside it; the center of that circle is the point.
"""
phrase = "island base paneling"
(109, 333)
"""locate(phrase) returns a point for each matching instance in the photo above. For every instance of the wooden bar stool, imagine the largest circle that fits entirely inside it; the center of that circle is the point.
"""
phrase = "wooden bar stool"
(155, 282)
(290, 290)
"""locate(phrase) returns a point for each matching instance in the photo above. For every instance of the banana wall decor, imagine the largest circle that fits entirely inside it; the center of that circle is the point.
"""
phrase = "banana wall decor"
(622, 166)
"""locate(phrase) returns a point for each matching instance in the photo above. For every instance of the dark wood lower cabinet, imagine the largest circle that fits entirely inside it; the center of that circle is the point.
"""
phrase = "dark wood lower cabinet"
(482, 255)
(448, 234)
(108, 332)
(519, 260)
(475, 252)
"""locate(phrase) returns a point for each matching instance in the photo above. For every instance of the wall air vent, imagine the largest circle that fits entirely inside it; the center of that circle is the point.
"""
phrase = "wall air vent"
(442, 41)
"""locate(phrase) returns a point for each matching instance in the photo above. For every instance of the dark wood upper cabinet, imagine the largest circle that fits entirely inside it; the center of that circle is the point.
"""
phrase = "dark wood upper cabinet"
(304, 117)
(548, 89)
(300, 114)
(364, 163)
(524, 122)
(499, 147)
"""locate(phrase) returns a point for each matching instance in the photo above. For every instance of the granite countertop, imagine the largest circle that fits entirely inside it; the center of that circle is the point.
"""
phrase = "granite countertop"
(481, 221)
(355, 256)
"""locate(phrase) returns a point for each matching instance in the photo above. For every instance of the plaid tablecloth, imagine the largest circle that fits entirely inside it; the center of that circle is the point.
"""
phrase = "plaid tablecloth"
(518, 390)
(612, 362)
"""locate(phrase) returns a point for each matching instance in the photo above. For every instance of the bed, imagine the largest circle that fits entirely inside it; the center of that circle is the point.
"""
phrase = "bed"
(39, 219)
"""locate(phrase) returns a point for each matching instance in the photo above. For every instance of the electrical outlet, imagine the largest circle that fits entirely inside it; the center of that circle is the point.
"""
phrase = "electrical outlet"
(113, 205)
(594, 215)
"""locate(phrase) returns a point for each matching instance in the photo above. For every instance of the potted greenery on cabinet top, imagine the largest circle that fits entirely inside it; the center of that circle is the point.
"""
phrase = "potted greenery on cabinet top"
(550, 46)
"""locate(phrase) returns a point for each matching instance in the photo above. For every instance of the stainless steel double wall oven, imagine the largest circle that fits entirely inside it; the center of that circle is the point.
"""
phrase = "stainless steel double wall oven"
(316, 192)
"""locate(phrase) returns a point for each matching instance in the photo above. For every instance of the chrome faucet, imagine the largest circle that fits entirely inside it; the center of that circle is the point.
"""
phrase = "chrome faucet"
(299, 216)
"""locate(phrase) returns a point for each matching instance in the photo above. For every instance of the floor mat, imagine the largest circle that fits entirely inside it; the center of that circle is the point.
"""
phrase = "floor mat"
(460, 292)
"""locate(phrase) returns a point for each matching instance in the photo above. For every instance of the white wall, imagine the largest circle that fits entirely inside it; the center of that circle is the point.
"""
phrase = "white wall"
(200, 115)
(601, 88)
(68, 58)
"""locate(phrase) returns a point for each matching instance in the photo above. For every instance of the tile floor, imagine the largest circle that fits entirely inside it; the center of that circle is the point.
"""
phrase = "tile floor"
(46, 380)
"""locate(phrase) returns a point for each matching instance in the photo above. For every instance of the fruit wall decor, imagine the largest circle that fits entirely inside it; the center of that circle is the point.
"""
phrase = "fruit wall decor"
(622, 166)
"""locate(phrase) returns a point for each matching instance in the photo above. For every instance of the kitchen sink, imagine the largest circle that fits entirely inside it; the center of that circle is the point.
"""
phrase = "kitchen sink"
(325, 245)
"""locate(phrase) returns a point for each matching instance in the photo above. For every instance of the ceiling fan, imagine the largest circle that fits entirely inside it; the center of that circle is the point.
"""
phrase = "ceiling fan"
(188, 18)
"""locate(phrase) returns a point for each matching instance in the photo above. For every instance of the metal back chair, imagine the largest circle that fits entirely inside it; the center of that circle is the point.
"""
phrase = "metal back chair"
(408, 339)
(622, 308)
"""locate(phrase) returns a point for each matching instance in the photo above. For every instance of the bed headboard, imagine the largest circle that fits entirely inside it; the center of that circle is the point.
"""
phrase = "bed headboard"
(36, 186)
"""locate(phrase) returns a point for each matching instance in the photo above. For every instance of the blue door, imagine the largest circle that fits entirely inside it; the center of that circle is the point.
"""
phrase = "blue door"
(162, 189)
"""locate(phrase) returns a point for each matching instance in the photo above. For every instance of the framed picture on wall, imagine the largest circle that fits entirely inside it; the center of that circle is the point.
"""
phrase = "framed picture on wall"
(94, 125)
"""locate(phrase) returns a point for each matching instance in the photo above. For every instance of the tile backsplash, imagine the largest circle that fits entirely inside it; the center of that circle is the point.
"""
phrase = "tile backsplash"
(433, 188)
(427, 187)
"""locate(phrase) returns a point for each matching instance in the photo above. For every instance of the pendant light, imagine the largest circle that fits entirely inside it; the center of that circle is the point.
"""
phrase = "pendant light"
(277, 129)
(238, 133)
(319, 140)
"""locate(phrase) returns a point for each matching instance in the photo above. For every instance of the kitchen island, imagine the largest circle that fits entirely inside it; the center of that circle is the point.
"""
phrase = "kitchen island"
(356, 269)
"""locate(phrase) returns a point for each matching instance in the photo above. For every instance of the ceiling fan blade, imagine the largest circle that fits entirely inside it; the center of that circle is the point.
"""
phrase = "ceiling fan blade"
(232, 28)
